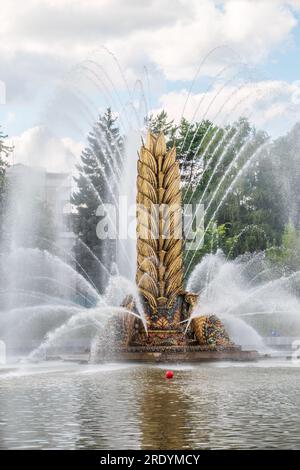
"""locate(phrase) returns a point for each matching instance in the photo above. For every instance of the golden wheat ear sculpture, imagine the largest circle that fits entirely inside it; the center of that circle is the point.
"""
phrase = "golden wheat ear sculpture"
(159, 224)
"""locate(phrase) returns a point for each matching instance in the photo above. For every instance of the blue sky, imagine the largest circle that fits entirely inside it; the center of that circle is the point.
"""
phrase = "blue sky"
(284, 63)
(51, 54)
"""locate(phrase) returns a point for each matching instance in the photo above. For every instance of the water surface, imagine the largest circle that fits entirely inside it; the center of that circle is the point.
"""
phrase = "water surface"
(113, 406)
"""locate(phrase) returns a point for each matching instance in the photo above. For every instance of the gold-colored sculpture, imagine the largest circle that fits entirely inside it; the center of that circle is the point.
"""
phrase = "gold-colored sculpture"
(210, 331)
(159, 276)
(159, 235)
(199, 328)
(174, 332)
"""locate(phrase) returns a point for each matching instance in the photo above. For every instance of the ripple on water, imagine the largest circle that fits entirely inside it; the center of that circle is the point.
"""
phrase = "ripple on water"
(116, 406)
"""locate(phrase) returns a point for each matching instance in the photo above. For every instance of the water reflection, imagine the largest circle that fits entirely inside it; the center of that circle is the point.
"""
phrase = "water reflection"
(163, 413)
(121, 407)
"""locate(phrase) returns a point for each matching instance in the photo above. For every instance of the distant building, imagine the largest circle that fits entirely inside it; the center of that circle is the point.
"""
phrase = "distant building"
(54, 189)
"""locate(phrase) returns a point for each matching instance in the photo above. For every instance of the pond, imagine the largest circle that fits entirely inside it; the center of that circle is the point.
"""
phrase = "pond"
(119, 406)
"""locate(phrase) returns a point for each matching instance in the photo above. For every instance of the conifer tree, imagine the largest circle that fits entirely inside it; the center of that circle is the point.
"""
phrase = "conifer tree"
(4, 153)
(98, 173)
(5, 150)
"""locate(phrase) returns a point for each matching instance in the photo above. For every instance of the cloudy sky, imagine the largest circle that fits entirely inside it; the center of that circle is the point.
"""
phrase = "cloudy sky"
(64, 61)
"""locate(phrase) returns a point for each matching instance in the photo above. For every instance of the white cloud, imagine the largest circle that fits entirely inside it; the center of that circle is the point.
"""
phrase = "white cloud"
(40, 39)
(38, 147)
(273, 106)
(239, 26)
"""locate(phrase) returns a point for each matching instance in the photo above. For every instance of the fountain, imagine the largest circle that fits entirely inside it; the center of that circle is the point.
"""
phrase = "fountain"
(173, 331)
(52, 308)
(50, 305)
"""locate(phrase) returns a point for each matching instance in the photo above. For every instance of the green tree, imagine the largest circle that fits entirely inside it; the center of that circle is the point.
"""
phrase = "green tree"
(194, 143)
(96, 184)
(242, 214)
(286, 163)
(287, 255)
(160, 123)
(5, 150)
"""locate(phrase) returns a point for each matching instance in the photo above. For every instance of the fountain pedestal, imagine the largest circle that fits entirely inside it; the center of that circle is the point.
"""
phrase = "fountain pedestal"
(175, 355)
(172, 338)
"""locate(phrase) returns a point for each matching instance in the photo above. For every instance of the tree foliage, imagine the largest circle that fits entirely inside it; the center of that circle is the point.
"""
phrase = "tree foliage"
(95, 185)
(247, 184)
(249, 189)
(5, 151)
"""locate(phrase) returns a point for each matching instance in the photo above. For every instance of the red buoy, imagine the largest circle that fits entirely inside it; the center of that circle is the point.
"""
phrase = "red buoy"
(169, 374)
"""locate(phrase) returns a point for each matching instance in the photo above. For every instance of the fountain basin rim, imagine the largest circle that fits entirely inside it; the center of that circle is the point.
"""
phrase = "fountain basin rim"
(175, 354)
